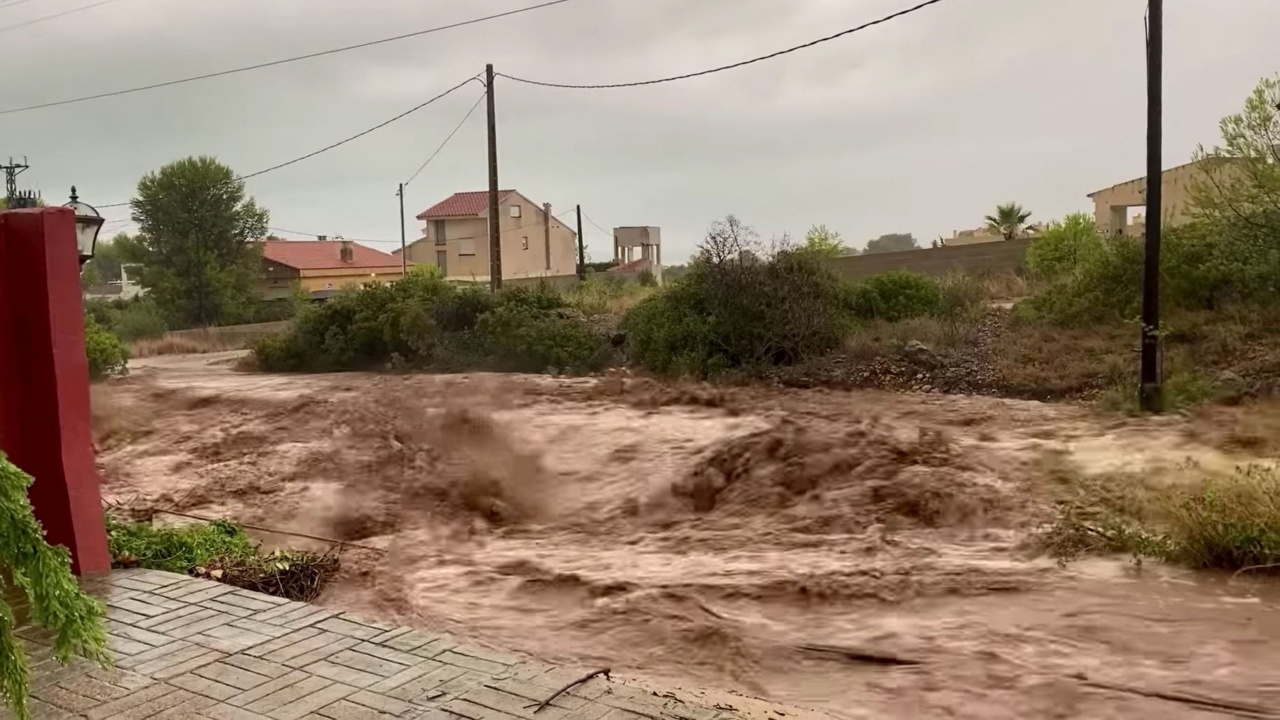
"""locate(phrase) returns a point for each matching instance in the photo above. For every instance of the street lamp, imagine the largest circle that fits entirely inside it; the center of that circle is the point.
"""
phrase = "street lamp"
(88, 223)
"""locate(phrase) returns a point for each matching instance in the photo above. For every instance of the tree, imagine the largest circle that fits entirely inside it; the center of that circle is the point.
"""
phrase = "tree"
(32, 569)
(1239, 186)
(1009, 221)
(893, 242)
(1064, 247)
(196, 242)
(824, 243)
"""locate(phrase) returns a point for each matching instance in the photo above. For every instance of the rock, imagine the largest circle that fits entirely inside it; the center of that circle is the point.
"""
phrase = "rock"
(926, 388)
(1229, 388)
(914, 348)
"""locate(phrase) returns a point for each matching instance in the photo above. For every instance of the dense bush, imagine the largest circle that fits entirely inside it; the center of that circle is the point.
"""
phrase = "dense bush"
(425, 322)
(106, 353)
(732, 311)
(895, 296)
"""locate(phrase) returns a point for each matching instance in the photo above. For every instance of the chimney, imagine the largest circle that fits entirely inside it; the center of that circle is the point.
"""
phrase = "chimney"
(546, 232)
(346, 252)
(322, 238)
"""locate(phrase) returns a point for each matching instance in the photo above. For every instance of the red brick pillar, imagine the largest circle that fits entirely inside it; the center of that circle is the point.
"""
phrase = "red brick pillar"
(44, 380)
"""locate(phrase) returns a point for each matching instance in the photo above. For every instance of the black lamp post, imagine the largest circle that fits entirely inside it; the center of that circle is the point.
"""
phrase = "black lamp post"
(88, 224)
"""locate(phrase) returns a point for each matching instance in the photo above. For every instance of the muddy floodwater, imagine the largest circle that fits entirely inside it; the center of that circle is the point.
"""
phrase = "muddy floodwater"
(789, 554)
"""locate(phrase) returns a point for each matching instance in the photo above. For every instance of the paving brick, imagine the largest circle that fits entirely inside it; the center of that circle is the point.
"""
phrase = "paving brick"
(487, 667)
(95, 689)
(263, 597)
(405, 676)
(647, 707)
(158, 600)
(232, 675)
(365, 662)
(188, 585)
(476, 711)
(342, 674)
(124, 646)
(275, 612)
(122, 679)
(381, 703)
(161, 651)
(305, 618)
(336, 644)
(370, 622)
(204, 686)
(386, 653)
(435, 647)
(228, 639)
(261, 667)
(229, 712)
(489, 654)
(346, 710)
(151, 699)
(409, 641)
(216, 619)
(179, 662)
(228, 608)
(249, 602)
(64, 699)
(391, 634)
(124, 616)
(284, 641)
(348, 628)
(139, 607)
(184, 711)
(424, 687)
(175, 627)
(277, 684)
(260, 627)
(132, 584)
(536, 693)
(300, 699)
(41, 710)
(558, 677)
(151, 622)
(138, 634)
(596, 711)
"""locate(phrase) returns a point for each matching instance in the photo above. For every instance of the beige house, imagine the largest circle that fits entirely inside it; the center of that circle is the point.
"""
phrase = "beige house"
(1111, 206)
(455, 238)
(322, 267)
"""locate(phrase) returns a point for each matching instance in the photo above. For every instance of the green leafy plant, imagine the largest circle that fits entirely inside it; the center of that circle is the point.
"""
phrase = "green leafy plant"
(896, 296)
(42, 574)
(106, 353)
(1009, 220)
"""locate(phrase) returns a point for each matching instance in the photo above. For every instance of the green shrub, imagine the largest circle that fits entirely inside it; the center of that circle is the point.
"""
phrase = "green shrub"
(106, 353)
(1063, 247)
(739, 313)
(424, 322)
(32, 569)
(525, 338)
(895, 296)
(138, 320)
(175, 549)
(1105, 287)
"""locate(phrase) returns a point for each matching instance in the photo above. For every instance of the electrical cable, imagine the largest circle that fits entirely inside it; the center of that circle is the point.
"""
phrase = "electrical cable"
(327, 148)
(447, 139)
(284, 61)
(13, 3)
(54, 16)
(597, 225)
(762, 58)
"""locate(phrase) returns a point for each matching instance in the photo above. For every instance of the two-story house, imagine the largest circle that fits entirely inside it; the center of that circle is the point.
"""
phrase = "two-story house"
(455, 238)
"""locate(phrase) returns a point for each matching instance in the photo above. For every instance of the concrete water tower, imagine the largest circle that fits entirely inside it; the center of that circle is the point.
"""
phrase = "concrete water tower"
(647, 240)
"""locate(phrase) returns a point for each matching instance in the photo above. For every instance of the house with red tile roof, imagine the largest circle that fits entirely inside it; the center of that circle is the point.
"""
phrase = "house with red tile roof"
(455, 238)
(322, 267)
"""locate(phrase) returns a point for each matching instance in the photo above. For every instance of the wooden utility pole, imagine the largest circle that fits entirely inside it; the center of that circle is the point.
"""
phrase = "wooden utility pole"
(404, 253)
(495, 228)
(1150, 393)
(582, 248)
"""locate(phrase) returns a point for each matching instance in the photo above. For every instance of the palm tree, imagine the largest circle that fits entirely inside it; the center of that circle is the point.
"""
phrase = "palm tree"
(1010, 220)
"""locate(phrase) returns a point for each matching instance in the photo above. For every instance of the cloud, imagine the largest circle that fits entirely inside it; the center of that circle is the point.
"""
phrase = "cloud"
(921, 125)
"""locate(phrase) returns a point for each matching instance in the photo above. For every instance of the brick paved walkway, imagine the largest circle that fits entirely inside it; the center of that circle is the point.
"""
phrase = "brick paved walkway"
(189, 648)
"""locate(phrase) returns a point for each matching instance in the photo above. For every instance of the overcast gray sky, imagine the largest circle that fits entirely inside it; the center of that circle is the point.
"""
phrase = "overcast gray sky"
(920, 126)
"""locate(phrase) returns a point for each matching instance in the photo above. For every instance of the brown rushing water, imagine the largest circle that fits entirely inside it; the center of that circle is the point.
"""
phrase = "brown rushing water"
(703, 539)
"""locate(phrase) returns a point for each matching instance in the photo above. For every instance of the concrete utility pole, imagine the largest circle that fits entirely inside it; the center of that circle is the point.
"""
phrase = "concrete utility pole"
(495, 228)
(582, 248)
(404, 252)
(1150, 393)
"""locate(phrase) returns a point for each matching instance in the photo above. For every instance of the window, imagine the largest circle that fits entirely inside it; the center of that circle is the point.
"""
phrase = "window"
(437, 231)
(524, 242)
(467, 246)
(515, 211)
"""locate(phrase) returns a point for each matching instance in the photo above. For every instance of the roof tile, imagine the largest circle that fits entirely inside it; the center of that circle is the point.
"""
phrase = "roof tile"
(462, 204)
(324, 255)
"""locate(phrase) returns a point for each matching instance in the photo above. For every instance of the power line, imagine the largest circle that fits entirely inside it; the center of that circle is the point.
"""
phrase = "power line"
(597, 225)
(722, 68)
(446, 140)
(54, 16)
(13, 3)
(327, 148)
(284, 61)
